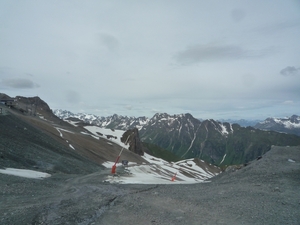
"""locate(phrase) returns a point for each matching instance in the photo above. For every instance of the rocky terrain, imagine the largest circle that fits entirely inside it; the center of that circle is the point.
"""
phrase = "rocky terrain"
(265, 191)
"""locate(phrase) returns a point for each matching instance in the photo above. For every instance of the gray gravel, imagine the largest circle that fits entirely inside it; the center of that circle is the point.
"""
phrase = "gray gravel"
(267, 191)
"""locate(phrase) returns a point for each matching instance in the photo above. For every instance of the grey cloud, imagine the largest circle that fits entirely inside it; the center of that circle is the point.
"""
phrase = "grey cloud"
(238, 15)
(109, 41)
(128, 107)
(200, 53)
(20, 83)
(277, 27)
(73, 97)
(290, 71)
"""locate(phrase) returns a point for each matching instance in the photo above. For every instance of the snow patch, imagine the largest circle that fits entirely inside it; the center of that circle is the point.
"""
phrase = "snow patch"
(115, 133)
(224, 130)
(25, 173)
(223, 159)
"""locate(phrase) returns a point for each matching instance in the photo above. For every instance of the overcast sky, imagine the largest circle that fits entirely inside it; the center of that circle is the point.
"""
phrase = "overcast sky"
(214, 59)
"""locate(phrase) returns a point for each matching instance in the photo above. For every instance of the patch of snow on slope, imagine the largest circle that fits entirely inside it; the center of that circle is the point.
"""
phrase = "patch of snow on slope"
(224, 130)
(290, 125)
(223, 158)
(59, 131)
(85, 133)
(105, 131)
(74, 123)
(25, 173)
(231, 129)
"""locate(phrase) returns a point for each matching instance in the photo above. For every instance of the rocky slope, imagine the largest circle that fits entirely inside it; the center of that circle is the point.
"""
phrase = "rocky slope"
(264, 192)
(42, 141)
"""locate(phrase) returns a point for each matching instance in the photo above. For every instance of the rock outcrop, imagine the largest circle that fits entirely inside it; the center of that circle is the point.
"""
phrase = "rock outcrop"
(132, 137)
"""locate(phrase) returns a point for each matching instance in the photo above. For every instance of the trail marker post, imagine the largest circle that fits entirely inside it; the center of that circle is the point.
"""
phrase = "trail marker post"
(174, 177)
(114, 167)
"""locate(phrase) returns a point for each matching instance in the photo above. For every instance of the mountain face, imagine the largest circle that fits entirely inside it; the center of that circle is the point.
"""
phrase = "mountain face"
(215, 142)
(290, 125)
(212, 141)
(184, 135)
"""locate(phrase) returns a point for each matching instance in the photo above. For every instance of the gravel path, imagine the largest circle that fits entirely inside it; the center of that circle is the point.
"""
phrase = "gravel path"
(267, 191)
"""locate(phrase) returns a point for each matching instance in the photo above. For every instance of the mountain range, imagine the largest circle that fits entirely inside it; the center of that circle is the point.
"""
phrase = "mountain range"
(187, 137)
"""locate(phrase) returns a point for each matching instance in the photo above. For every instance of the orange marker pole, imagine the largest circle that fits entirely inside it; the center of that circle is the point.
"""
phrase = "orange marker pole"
(113, 169)
(174, 177)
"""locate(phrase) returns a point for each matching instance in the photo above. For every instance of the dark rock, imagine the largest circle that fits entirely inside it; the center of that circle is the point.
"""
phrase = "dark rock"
(132, 137)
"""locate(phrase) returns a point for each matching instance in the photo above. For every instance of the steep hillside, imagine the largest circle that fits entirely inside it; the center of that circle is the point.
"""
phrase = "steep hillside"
(25, 146)
(30, 141)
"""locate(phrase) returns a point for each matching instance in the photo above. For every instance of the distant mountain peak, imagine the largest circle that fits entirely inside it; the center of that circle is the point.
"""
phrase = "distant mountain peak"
(289, 125)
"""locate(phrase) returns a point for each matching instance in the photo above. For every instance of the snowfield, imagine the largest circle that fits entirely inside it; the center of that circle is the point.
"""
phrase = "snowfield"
(25, 173)
(104, 131)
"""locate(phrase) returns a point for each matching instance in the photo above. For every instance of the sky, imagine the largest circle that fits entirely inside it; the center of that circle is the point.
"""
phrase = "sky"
(234, 59)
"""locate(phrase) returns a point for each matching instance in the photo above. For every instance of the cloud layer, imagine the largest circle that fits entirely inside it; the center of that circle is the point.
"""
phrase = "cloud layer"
(212, 59)
(290, 71)
(19, 83)
(215, 53)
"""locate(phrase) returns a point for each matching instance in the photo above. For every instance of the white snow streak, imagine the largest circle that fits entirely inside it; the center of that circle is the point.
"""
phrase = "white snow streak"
(191, 142)
(25, 173)
(223, 158)
(224, 130)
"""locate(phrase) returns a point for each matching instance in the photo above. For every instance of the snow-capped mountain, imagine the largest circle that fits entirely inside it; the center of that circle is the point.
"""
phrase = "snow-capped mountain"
(290, 125)
(114, 122)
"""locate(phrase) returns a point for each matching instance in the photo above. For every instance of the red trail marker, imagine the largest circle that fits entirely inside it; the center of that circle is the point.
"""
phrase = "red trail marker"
(174, 177)
(113, 169)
